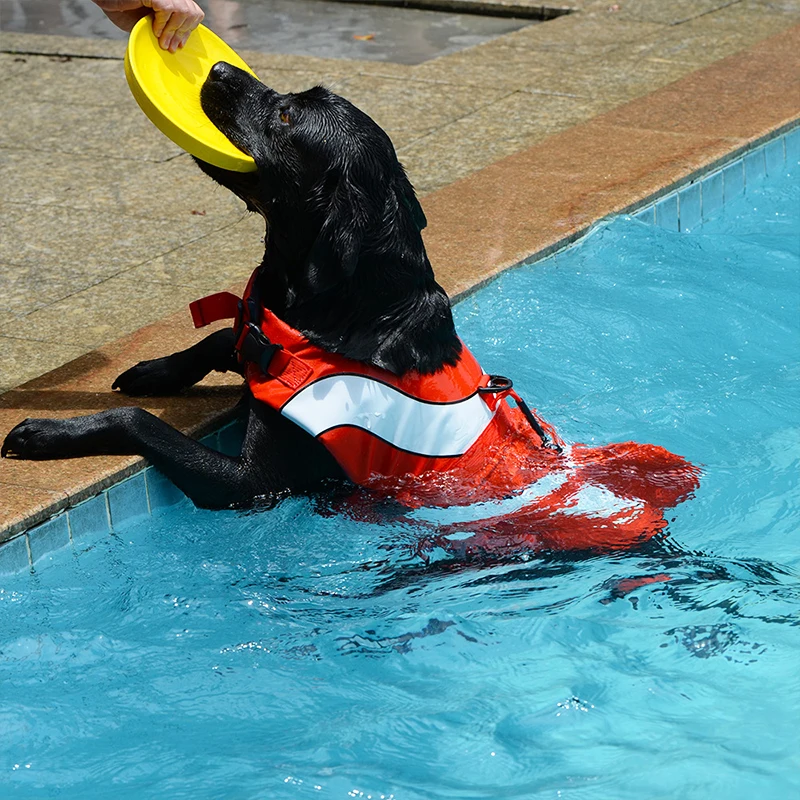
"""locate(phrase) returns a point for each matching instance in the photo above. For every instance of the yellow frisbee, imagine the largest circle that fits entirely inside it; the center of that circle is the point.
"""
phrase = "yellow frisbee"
(167, 88)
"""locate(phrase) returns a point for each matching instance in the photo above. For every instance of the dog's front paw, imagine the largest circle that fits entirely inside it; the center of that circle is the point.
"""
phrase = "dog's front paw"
(152, 378)
(42, 439)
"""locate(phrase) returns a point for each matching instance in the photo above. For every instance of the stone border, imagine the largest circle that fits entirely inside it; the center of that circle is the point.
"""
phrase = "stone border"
(522, 9)
(697, 200)
(701, 192)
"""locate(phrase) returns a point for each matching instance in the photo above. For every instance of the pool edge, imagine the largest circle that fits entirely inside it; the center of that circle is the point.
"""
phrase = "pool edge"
(694, 178)
(139, 489)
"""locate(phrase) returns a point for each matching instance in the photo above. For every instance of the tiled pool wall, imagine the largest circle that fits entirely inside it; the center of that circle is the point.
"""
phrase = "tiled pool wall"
(111, 510)
(682, 208)
(692, 202)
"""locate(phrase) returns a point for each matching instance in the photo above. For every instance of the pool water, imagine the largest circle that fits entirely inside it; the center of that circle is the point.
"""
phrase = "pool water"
(298, 653)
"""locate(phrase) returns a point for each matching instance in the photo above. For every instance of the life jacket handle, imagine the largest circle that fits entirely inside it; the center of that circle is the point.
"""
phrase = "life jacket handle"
(214, 307)
(500, 385)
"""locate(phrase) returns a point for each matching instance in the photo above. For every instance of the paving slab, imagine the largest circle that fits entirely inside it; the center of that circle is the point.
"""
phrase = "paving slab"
(55, 239)
(87, 83)
(411, 106)
(712, 37)
(23, 359)
(495, 131)
(590, 32)
(218, 260)
(118, 132)
(673, 12)
(172, 190)
(100, 313)
(495, 65)
(25, 290)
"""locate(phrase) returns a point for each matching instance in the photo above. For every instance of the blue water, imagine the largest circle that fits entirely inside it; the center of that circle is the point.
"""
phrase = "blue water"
(298, 653)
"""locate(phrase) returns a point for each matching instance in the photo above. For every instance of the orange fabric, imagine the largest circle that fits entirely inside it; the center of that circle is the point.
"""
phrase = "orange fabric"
(649, 475)
(450, 383)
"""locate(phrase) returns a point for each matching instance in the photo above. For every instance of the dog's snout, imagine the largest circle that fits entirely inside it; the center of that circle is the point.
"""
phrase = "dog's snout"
(236, 79)
(220, 70)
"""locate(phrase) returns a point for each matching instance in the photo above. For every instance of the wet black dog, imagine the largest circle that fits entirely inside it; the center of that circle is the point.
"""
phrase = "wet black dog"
(344, 264)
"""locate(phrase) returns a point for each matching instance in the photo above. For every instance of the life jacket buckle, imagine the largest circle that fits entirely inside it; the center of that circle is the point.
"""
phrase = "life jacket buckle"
(254, 347)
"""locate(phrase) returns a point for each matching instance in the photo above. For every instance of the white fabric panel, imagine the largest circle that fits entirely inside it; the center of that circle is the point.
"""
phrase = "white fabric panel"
(597, 501)
(430, 429)
(475, 512)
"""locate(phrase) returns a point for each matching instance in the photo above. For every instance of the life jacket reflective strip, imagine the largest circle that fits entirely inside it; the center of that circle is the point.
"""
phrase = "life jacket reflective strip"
(405, 422)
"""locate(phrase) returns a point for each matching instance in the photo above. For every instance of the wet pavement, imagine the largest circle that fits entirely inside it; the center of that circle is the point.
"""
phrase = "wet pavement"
(297, 27)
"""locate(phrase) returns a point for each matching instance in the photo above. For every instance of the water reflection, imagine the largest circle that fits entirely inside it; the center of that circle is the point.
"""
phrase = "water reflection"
(310, 28)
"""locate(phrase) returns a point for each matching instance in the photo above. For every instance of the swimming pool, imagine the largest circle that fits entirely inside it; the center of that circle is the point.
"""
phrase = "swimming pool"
(301, 653)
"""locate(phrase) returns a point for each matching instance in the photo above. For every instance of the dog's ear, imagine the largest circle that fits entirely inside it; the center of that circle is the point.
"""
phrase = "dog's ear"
(349, 213)
(334, 255)
(405, 191)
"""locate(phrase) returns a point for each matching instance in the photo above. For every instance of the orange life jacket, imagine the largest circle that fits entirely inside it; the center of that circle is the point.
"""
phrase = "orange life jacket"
(452, 439)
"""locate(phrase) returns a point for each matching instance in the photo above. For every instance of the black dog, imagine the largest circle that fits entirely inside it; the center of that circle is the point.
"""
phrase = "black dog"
(344, 264)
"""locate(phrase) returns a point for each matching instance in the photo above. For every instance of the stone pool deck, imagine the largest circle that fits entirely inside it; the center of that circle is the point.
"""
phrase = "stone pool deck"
(517, 146)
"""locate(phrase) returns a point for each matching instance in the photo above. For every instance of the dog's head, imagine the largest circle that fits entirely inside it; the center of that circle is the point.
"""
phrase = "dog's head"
(324, 170)
(343, 222)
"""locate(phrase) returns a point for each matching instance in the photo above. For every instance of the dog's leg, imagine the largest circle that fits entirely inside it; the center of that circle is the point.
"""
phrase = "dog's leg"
(209, 478)
(276, 455)
(171, 374)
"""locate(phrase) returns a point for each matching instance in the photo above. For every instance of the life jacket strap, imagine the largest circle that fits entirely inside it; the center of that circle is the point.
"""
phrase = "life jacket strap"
(500, 386)
(214, 307)
(551, 442)
(252, 345)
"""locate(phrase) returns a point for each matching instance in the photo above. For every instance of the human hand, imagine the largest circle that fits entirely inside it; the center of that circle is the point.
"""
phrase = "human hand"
(173, 20)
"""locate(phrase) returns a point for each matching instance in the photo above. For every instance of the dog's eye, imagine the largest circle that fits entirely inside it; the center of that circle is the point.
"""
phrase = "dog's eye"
(284, 117)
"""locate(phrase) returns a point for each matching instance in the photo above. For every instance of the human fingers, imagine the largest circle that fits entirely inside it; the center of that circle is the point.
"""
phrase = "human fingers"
(180, 37)
(185, 31)
(174, 20)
